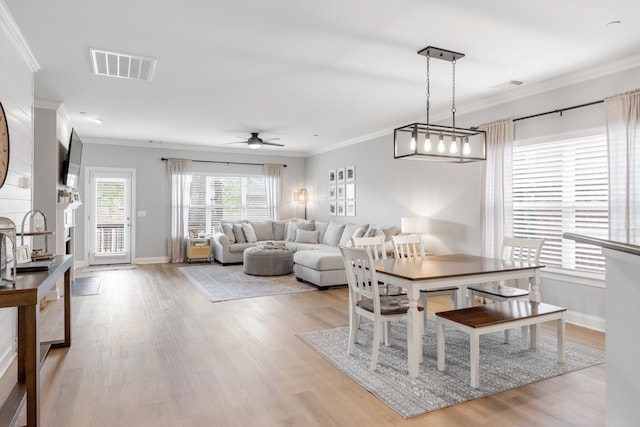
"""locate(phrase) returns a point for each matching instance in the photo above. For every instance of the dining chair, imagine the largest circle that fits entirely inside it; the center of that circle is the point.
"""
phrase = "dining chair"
(365, 300)
(376, 246)
(513, 249)
(411, 246)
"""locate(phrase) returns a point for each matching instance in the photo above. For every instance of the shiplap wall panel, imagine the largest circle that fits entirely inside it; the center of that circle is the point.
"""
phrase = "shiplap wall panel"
(16, 95)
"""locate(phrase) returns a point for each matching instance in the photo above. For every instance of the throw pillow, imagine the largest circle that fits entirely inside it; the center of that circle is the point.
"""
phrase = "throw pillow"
(347, 233)
(306, 236)
(333, 234)
(237, 231)
(249, 233)
(228, 231)
(263, 230)
(359, 232)
(292, 227)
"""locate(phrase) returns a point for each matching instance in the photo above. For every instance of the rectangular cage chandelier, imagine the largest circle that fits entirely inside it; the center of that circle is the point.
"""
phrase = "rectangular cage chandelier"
(426, 141)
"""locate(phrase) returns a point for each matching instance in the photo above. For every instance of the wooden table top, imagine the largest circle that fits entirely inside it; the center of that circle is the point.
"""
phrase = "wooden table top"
(499, 312)
(443, 266)
(31, 287)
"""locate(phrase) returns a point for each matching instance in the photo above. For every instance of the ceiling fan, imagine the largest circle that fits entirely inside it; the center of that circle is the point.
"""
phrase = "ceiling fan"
(256, 142)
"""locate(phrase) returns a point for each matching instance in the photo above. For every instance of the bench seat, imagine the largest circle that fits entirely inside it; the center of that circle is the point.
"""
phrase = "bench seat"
(496, 317)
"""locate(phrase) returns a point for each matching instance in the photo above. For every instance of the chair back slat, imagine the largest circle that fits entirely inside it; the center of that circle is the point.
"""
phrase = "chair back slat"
(375, 246)
(408, 246)
(361, 275)
(522, 250)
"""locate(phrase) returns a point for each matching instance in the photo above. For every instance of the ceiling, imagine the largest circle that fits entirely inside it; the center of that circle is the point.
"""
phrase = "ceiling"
(315, 74)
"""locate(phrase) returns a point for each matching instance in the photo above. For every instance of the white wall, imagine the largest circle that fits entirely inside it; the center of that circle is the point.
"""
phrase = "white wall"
(152, 230)
(16, 96)
(449, 194)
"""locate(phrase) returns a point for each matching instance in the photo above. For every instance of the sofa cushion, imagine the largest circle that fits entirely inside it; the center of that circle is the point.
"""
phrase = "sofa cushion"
(249, 233)
(319, 260)
(293, 226)
(377, 230)
(263, 230)
(279, 230)
(227, 228)
(237, 231)
(321, 227)
(240, 247)
(333, 234)
(306, 236)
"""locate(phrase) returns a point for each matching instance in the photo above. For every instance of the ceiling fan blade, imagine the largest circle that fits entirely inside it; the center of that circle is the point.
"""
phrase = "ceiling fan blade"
(272, 143)
(271, 139)
(236, 142)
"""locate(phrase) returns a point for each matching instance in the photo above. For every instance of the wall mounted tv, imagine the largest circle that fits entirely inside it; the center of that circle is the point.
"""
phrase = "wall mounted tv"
(71, 166)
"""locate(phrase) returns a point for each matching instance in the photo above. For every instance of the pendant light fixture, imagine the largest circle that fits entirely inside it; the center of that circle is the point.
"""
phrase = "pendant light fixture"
(417, 140)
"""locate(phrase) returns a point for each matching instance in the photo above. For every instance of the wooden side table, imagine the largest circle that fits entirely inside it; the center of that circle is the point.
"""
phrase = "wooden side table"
(199, 249)
(30, 288)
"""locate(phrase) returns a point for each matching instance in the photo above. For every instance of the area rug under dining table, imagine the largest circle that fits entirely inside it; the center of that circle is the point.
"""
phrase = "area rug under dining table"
(223, 283)
(502, 366)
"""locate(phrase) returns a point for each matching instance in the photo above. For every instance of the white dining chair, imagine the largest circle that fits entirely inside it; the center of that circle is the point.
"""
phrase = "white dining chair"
(411, 246)
(365, 300)
(376, 246)
(513, 249)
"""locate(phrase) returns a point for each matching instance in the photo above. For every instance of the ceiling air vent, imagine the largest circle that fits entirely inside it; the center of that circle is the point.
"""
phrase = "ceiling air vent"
(122, 65)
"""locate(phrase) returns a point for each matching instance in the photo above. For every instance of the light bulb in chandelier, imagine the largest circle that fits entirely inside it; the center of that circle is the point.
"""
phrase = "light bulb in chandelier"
(453, 148)
(441, 146)
(466, 147)
(414, 139)
(427, 142)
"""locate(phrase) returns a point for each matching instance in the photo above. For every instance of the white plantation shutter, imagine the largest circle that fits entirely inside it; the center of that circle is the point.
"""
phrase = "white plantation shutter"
(562, 186)
(217, 198)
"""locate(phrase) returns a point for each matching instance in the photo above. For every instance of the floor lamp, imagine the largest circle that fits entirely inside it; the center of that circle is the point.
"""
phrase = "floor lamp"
(301, 196)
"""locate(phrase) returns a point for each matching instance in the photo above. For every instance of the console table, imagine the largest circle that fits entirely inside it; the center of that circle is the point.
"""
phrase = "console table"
(29, 289)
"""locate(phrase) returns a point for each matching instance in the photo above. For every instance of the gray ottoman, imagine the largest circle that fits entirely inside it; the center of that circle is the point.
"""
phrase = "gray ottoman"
(267, 261)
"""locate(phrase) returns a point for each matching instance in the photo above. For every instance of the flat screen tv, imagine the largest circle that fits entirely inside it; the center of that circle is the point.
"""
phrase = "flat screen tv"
(71, 166)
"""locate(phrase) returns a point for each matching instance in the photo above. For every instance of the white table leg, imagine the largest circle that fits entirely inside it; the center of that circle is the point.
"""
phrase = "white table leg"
(475, 359)
(535, 286)
(414, 334)
(462, 296)
(440, 344)
(561, 346)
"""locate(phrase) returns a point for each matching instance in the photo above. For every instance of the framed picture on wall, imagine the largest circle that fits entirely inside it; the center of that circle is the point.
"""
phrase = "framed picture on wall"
(332, 191)
(351, 208)
(332, 176)
(350, 173)
(340, 190)
(332, 208)
(341, 208)
(350, 190)
(341, 175)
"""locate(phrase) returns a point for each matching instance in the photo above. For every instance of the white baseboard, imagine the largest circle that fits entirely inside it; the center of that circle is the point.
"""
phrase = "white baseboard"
(7, 359)
(152, 260)
(587, 321)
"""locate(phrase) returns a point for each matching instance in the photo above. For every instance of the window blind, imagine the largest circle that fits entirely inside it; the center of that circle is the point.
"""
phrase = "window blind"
(562, 186)
(216, 198)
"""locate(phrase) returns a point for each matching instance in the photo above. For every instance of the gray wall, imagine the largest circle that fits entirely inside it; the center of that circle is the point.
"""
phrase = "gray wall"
(152, 230)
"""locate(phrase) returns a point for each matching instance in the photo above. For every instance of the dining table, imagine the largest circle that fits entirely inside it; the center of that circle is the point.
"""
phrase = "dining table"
(442, 271)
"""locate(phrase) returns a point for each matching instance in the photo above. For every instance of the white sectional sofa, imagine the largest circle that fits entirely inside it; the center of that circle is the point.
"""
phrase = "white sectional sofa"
(317, 258)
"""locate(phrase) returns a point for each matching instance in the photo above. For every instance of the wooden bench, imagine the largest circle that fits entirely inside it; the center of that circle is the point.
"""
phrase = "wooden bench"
(496, 317)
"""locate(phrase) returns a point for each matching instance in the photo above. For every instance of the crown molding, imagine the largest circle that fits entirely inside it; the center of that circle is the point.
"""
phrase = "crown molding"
(46, 104)
(12, 31)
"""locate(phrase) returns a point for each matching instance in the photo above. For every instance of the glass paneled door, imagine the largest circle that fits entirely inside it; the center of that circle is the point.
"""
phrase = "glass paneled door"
(109, 220)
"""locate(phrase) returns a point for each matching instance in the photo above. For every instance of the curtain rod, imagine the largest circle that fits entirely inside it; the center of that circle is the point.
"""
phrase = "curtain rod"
(164, 159)
(559, 110)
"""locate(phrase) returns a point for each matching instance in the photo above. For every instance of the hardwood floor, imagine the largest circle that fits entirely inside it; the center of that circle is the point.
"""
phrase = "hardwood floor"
(151, 350)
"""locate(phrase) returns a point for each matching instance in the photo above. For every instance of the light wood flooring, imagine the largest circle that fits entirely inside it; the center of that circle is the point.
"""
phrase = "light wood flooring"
(151, 350)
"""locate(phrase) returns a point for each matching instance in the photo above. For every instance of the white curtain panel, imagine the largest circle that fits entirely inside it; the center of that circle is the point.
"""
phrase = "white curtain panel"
(179, 172)
(496, 217)
(623, 134)
(273, 185)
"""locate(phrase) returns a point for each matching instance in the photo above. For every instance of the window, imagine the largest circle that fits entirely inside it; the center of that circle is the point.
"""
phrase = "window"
(216, 198)
(562, 186)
